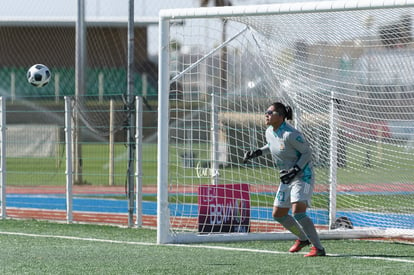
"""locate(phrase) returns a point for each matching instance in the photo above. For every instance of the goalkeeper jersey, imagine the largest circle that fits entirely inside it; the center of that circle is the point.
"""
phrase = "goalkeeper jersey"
(289, 148)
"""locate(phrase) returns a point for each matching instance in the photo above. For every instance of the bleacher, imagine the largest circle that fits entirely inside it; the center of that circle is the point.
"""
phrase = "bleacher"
(103, 82)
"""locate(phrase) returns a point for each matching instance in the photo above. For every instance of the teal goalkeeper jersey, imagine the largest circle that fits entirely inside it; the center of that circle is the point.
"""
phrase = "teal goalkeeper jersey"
(289, 148)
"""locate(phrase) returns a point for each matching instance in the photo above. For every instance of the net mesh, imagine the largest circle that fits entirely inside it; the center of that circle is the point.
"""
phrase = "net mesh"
(348, 75)
(35, 144)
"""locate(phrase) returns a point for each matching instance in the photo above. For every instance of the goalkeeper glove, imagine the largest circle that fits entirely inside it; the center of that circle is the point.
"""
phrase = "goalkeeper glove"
(286, 176)
(251, 154)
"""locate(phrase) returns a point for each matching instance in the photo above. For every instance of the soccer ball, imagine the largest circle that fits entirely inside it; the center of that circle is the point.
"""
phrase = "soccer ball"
(38, 75)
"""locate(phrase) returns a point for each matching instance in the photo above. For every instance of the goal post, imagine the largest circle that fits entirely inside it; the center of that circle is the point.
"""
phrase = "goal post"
(3, 147)
(345, 67)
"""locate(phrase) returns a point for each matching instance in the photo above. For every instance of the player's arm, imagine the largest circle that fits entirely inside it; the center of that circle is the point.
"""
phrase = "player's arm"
(301, 145)
(256, 153)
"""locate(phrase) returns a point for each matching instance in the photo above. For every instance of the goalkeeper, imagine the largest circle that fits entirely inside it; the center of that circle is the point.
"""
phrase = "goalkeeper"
(292, 154)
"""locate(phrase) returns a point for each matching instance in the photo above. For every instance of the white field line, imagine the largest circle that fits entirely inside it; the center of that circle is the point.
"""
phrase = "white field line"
(196, 246)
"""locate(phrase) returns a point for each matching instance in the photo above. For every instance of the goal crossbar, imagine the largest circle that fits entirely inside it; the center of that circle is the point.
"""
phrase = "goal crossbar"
(283, 8)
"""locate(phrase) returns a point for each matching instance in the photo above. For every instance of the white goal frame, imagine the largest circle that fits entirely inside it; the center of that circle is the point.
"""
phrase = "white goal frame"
(163, 216)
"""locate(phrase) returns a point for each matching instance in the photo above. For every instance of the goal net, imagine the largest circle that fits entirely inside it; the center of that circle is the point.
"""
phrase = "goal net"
(346, 69)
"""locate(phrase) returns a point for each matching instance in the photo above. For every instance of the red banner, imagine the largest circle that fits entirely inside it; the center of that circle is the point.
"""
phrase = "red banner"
(224, 208)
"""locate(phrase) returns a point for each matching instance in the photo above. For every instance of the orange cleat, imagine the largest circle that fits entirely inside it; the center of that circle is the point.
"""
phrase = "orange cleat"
(299, 245)
(314, 252)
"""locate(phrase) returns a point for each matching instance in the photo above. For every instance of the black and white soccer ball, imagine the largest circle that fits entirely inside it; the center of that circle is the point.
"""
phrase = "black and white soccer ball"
(38, 75)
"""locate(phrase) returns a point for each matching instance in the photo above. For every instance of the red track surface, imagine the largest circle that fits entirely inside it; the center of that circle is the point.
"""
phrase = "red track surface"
(85, 217)
(121, 219)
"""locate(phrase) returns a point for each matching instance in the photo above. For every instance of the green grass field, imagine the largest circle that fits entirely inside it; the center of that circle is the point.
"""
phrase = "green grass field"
(34, 247)
(51, 171)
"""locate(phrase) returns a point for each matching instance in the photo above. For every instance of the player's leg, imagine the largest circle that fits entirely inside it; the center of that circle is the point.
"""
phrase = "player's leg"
(301, 196)
(281, 214)
(299, 213)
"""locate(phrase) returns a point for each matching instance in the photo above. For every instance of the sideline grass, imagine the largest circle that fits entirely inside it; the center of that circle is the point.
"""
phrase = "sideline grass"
(38, 247)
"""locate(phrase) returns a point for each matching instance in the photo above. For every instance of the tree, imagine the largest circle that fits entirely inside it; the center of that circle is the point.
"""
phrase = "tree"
(397, 35)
